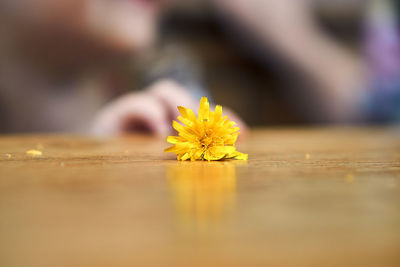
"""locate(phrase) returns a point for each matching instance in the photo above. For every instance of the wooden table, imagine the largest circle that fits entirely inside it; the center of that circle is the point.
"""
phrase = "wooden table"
(311, 197)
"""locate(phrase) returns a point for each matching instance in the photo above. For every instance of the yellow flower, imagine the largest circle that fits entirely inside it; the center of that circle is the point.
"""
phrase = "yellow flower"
(207, 137)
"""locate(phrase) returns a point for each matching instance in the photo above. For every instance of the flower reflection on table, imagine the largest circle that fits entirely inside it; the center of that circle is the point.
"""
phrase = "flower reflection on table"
(204, 193)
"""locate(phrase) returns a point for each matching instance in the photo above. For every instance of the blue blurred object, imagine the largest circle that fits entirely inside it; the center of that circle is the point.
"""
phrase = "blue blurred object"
(383, 54)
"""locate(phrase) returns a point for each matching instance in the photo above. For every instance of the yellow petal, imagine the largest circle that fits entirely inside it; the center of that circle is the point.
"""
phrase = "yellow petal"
(187, 113)
(183, 132)
(218, 152)
(211, 117)
(185, 121)
(170, 149)
(242, 156)
(218, 112)
(180, 148)
(228, 123)
(175, 139)
(178, 127)
(235, 129)
(222, 149)
(238, 155)
(185, 156)
(232, 155)
(198, 154)
(204, 109)
(213, 156)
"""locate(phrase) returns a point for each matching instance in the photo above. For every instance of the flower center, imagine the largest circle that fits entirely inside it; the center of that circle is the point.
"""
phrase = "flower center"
(206, 141)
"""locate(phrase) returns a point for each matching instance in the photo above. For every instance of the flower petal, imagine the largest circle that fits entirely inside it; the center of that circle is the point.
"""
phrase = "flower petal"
(218, 113)
(242, 156)
(185, 156)
(238, 155)
(175, 139)
(187, 113)
(204, 109)
(231, 140)
(177, 126)
(170, 149)
(218, 152)
(185, 121)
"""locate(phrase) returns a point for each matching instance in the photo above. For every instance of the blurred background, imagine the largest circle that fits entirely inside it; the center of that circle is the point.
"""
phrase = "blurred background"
(254, 77)
(274, 62)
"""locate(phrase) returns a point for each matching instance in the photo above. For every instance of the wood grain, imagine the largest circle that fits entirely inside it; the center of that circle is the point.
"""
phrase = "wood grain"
(323, 196)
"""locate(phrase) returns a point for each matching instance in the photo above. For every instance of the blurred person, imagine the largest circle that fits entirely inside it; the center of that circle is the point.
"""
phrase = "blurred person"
(347, 86)
(57, 61)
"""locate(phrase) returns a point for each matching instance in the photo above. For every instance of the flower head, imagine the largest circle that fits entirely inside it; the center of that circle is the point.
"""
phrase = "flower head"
(210, 136)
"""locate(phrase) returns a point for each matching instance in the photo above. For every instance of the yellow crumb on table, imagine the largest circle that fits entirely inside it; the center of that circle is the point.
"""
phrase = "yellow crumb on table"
(34, 153)
(308, 156)
(8, 155)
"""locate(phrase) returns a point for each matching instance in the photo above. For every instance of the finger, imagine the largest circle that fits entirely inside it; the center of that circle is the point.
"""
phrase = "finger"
(172, 94)
(134, 112)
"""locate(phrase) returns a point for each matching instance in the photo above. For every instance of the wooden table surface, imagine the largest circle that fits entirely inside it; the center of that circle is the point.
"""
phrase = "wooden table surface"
(310, 197)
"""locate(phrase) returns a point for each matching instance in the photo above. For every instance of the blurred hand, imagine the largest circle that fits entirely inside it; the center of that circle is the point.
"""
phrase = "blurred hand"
(151, 111)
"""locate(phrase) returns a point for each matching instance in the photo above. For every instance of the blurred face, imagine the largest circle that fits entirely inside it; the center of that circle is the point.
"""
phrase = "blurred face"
(126, 25)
